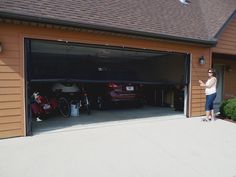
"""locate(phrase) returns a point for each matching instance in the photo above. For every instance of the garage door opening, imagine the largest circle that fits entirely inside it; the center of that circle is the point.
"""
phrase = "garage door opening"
(112, 78)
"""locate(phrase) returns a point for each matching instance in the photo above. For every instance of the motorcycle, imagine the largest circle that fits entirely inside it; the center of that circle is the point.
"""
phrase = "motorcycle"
(41, 106)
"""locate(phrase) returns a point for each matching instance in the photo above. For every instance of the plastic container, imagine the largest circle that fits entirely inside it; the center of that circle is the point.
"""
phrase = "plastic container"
(74, 110)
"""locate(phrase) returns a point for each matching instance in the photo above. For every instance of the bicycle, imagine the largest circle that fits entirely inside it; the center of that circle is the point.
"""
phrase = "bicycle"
(68, 94)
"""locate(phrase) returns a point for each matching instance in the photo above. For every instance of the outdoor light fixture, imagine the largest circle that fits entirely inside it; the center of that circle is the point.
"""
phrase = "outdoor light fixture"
(202, 60)
(0, 47)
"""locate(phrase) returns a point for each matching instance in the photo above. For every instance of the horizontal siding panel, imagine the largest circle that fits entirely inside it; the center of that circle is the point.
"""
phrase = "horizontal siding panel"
(10, 112)
(11, 119)
(200, 70)
(10, 126)
(7, 33)
(197, 105)
(198, 92)
(201, 73)
(224, 51)
(195, 100)
(9, 76)
(11, 133)
(198, 96)
(227, 43)
(10, 83)
(227, 37)
(13, 97)
(9, 69)
(231, 29)
(4, 91)
(198, 87)
(196, 109)
(199, 76)
(223, 46)
(11, 46)
(9, 61)
(195, 80)
(10, 104)
(9, 39)
(198, 113)
(7, 53)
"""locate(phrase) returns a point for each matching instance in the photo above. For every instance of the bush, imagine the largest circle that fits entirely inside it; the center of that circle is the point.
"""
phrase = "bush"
(234, 115)
(228, 107)
(222, 106)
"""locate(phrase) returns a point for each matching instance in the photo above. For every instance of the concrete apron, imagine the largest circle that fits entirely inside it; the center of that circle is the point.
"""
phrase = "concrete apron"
(150, 148)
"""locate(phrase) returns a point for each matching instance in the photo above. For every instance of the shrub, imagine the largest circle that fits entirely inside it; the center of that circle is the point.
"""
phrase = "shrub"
(229, 108)
(222, 107)
(234, 115)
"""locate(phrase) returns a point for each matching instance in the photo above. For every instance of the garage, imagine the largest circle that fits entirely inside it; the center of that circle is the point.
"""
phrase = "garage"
(146, 78)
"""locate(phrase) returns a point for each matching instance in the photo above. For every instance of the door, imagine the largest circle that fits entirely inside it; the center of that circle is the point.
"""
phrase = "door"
(219, 88)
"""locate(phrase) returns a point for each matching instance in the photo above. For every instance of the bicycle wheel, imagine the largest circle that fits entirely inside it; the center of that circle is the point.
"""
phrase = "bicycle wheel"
(64, 107)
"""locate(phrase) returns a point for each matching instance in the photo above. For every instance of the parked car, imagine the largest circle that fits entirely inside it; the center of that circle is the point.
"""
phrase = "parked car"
(115, 93)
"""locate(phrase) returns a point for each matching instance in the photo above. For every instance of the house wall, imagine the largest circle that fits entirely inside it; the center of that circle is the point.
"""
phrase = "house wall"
(12, 81)
(227, 40)
(227, 45)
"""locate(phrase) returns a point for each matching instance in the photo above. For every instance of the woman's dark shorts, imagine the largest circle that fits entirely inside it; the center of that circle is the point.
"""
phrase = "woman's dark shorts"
(209, 101)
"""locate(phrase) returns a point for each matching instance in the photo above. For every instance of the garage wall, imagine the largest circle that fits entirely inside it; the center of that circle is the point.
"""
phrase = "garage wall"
(227, 40)
(11, 85)
(11, 65)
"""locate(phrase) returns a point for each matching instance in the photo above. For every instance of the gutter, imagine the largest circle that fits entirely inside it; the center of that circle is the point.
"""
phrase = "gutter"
(13, 16)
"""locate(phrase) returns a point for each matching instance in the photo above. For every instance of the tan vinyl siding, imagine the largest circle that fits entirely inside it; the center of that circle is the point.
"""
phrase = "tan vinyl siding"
(199, 72)
(11, 88)
(227, 40)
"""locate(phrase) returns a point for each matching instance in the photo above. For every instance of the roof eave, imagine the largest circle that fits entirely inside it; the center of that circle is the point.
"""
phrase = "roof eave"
(210, 42)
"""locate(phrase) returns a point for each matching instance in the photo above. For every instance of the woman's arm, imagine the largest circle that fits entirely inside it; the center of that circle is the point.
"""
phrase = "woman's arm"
(201, 83)
(209, 84)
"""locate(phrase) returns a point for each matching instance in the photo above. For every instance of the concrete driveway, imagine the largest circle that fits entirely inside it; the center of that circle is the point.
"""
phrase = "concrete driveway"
(133, 148)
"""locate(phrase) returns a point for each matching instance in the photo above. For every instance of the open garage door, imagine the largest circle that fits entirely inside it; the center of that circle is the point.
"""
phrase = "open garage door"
(160, 72)
(88, 63)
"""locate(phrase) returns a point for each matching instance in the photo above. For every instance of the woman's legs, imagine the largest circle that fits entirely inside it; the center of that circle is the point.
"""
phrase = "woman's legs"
(209, 106)
(208, 115)
(212, 114)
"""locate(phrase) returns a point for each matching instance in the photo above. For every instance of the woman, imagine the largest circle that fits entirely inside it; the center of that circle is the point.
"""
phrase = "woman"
(210, 91)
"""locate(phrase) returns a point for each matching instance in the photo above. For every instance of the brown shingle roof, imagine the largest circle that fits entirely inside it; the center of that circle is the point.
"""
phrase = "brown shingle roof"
(200, 20)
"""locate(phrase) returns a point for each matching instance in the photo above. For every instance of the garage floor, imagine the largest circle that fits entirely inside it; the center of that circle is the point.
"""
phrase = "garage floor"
(103, 118)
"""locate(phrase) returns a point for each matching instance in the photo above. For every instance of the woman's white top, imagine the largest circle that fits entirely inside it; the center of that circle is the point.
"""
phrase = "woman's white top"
(211, 86)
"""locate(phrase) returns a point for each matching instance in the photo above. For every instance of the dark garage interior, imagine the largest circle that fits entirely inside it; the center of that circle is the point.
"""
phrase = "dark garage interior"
(110, 77)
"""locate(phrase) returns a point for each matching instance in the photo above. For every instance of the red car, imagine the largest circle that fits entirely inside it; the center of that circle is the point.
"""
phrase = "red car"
(110, 93)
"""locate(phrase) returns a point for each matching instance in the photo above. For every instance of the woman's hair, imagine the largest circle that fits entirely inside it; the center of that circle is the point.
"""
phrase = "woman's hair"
(213, 71)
